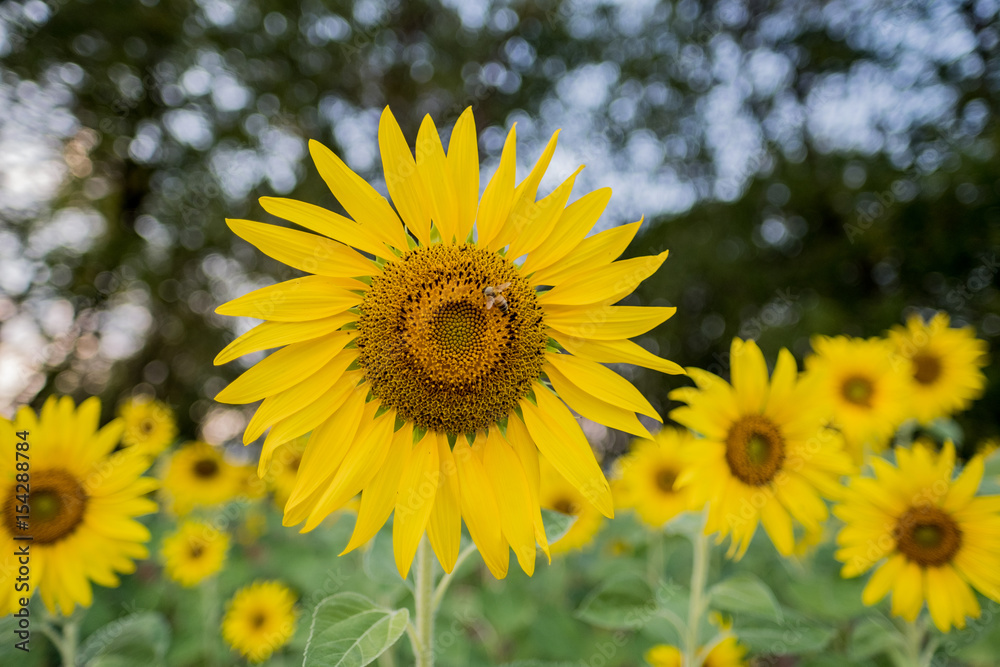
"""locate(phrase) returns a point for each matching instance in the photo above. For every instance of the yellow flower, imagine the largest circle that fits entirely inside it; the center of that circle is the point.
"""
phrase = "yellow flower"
(944, 366)
(259, 619)
(81, 507)
(862, 388)
(281, 475)
(149, 425)
(194, 552)
(558, 494)
(727, 653)
(647, 476)
(935, 536)
(197, 475)
(415, 354)
(766, 456)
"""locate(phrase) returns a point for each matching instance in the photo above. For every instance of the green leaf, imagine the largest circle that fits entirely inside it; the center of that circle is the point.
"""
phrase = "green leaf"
(745, 594)
(138, 639)
(871, 636)
(623, 602)
(791, 640)
(537, 663)
(349, 630)
(556, 524)
(11, 655)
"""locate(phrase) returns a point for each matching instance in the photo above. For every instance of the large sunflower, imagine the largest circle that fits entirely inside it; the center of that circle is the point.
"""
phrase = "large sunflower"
(944, 363)
(81, 507)
(416, 353)
(767, 455)
(862, 389)
(930, 535)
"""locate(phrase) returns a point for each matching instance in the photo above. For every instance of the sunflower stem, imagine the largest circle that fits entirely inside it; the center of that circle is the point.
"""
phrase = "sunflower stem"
(424, 607)
(66, 638)
(696, 603)
(210, 626)
(914, 635)
(442, 586)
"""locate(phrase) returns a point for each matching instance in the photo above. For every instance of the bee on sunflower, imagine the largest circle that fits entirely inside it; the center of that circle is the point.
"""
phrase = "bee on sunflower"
(932, 538)
(437, 348)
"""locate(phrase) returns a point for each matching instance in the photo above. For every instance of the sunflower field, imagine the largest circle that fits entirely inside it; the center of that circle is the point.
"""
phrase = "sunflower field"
(505, 332)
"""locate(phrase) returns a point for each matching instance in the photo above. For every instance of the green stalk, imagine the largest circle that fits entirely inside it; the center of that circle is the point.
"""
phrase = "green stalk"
(424, 606)
(696, 603)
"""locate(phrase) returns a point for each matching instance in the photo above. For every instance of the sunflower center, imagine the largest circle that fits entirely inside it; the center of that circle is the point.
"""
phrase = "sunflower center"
(858, 390)
(257, 620)
(665, 479)
(564, 506)
(146, 426)
(197, 550)
(755, 450)
(57, 502)
(439, 350)
(206, 468)
(928, 536)
(926, 368)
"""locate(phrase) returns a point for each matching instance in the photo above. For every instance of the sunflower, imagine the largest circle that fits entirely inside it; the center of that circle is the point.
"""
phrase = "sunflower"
(646, 476)
(81, 508)
(557, 494)
(937, 539)
(862, 389)
(944, 363)
(727, 653)
(766, 456)
(284, 467)
(415, 354)
(259, 619)
(194, 552)
(150, 426)
(197, 475)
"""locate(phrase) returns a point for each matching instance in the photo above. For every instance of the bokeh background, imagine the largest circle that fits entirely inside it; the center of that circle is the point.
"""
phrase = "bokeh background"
(814, 167)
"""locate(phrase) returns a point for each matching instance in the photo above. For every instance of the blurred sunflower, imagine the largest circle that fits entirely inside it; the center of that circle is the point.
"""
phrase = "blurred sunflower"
(415, 354)
(197, 475)
(150, 426)
(727, 653)
(938, 539)
(194, 552)
(259, 619)
(862, 389)
(647, 474)
(944, 363)
(767, 455)
(556, 493)
(83, 501)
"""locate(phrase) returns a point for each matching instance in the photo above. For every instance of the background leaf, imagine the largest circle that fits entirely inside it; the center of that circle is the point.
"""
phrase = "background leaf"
(349, 630)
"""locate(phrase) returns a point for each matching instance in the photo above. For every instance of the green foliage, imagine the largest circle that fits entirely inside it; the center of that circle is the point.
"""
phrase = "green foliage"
(138, 639)
(745, 594)
(349, 630)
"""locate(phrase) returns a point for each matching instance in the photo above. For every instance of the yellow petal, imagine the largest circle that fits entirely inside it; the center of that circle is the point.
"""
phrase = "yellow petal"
(593, 408)
(286, 403)
(444, 528)
(415, 502)
(284, 368)
(363, 460)
(603, 322)
(938, 598)
(298, 300)
(883, 580)
(326, 449)
(522, 444)
(574, 224)
(778, 525)
(333, 225)
(749, 375)
(278, 334)
(616, 352)
(594, 251)
(480, 509)
(301, 250)
(498, 196)
(524, 195)
(402, 180)
(308, 418)
(908, 594)
(360, 200)
(606, 283)
(560, 440)
(432, 165)
(602, 383)
(538, 220)
(509, 482)
(463, 162)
